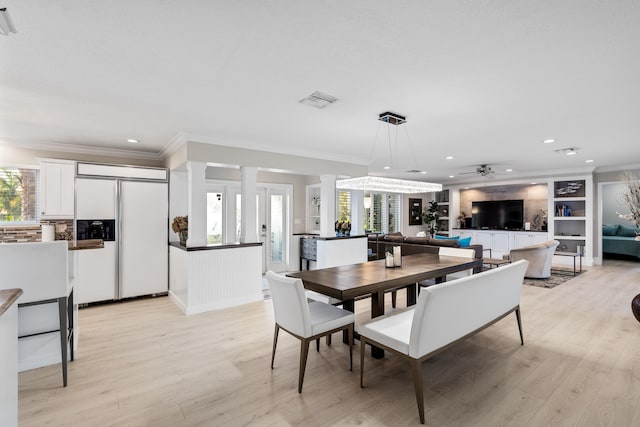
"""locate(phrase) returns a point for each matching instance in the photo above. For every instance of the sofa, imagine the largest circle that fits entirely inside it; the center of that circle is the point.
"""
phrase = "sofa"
(445, 314)
(620, 239)
(378, 245)
(539, 256)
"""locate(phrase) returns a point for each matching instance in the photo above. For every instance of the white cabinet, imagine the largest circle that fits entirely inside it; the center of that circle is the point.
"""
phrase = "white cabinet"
(521, 240)
(56, 189)
(497, 241)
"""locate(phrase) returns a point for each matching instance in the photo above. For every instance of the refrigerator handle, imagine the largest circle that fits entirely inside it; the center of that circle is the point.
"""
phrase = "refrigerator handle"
(118, 239)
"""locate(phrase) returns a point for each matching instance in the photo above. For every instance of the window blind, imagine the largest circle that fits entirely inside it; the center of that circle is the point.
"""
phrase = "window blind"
(19, 196)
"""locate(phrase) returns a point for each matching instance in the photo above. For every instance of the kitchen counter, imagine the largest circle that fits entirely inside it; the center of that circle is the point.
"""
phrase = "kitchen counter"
(75, 245)
(7, 298)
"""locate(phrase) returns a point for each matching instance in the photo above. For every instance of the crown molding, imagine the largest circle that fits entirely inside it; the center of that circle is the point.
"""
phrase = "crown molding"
(173, 145)
(84, 149)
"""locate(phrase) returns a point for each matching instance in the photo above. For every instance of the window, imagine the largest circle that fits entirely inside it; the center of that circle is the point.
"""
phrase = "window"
(18, 196)
(384, 214)
(344, 206)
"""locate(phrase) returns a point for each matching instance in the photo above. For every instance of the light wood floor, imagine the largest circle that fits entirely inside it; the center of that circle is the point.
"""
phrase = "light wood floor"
(143, 363)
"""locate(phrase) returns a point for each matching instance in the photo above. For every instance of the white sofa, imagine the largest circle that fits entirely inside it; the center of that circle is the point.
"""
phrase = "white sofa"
(539, 257)
(445, 314)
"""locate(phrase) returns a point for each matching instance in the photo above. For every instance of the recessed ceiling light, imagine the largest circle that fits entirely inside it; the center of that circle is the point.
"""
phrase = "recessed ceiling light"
(133, 141)
(549, 141)
(571, 152)
(387, 167)
(533, 183)
(466, 188)
(423, 172)
(452, 176)
(589, 161)
(508, 170)
(449, 158)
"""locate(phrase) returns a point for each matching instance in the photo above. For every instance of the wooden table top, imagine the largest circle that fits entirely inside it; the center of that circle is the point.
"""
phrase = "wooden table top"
(351, 281)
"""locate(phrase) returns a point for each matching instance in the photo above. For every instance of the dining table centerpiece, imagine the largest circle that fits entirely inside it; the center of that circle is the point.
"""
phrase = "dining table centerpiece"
(180, 225)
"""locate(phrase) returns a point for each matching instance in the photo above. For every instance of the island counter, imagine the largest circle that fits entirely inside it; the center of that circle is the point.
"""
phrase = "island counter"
(9, 357)
(211, 277)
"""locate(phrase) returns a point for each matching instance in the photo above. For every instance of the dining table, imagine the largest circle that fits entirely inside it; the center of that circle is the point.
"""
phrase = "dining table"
(373, 278)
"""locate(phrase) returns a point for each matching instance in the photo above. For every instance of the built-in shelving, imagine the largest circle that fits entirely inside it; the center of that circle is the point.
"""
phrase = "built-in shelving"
(442, 198)
(570, 211)
(313, 208)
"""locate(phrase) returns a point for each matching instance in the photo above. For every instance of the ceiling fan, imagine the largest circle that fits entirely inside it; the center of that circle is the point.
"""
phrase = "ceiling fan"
(482, 170)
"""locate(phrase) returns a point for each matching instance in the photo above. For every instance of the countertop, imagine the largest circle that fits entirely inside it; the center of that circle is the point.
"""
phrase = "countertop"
(76, 245)
(7, 298)
(213, 246)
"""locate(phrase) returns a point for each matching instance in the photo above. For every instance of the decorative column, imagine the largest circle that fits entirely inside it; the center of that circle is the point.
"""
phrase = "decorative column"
(328, 205)
(197, 203)
(248, 184)
(357, 212)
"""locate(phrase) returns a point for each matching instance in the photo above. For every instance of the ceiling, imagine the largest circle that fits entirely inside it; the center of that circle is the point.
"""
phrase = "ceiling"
(482, 81)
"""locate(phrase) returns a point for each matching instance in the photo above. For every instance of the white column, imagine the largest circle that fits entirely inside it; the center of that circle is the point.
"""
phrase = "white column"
(357, 212)
(197, 204)
(328, 205)
(248, 208)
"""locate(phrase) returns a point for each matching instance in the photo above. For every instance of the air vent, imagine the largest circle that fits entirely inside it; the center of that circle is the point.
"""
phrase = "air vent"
(568, 151)
(318, 100)
(413, 171)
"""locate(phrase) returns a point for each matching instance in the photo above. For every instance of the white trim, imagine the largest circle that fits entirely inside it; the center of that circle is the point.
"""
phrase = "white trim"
(86, 149)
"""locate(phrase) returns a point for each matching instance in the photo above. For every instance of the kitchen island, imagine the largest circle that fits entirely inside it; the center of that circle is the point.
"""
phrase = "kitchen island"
(211, 277)
(9, 357)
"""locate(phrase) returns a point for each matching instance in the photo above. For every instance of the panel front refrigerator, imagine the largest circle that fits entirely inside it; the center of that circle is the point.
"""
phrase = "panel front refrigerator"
(143, 251)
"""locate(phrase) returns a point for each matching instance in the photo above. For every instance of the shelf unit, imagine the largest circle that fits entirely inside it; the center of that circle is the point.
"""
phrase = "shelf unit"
(571, 210)
(442, 198)
(313, 208)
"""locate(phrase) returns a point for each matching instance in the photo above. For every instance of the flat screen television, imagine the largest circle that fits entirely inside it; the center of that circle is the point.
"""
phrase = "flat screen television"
(498, 214)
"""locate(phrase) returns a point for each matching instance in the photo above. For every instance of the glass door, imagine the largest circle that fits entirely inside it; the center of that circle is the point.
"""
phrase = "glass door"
(277, 231)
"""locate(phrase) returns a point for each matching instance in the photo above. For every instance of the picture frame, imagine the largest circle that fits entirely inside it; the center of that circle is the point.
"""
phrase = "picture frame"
(415, 211)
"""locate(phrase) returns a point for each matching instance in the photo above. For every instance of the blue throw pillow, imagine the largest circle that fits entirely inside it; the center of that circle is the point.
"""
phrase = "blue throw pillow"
(464, 243)
(626, 231)
(447, 237)
(609, 230)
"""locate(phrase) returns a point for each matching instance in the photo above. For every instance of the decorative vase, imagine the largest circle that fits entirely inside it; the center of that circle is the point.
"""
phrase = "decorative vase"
(183, 234)
(635, 307)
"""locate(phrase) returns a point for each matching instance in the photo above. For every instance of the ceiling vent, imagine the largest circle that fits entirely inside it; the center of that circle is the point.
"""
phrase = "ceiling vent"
(318, 100)
(568, 151)
(6, 24)
(392, 118)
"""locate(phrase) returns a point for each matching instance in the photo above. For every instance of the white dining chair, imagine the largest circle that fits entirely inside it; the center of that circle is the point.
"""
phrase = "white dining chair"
(305, 320)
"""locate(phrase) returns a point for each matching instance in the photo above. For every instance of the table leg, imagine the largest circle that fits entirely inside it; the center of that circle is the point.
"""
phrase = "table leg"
(377, 309)
(411, 294)
(348, 305)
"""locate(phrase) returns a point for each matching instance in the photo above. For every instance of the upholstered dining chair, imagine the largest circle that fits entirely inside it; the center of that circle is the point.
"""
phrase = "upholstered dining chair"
(305, 320)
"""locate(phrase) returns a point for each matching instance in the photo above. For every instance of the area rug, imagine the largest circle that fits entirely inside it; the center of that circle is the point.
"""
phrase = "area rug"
(557, 278)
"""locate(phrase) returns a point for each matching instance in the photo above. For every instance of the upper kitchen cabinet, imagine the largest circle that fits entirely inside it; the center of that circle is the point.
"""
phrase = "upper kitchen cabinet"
(96, 198)
(56, 189)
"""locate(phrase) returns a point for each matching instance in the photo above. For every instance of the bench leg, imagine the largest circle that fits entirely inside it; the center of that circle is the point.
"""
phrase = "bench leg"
(416, 371)
(519, 325)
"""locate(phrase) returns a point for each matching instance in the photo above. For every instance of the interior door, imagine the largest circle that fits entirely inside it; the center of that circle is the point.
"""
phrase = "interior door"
(277, 230)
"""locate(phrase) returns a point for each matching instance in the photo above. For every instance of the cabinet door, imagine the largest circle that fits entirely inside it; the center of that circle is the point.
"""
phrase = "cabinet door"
(500, 242)
(57, 189)
(96, 198)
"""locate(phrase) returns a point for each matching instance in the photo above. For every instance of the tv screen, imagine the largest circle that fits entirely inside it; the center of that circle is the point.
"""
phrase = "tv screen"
(498, 214)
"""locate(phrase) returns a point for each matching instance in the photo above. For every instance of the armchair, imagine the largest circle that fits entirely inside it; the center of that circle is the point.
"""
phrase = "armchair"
(539, 257)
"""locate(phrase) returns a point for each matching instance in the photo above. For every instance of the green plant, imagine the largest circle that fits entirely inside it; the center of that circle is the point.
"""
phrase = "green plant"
(430, 216)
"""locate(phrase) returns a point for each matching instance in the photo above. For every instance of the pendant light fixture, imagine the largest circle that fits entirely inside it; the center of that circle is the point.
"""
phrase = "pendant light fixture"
(388, 185)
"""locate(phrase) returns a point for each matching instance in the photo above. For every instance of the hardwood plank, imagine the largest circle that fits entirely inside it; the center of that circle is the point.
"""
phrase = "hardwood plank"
(143, 363)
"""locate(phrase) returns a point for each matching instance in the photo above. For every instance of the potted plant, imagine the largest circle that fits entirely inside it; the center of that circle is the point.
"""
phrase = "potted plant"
(180, 225)
(430, 217)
